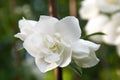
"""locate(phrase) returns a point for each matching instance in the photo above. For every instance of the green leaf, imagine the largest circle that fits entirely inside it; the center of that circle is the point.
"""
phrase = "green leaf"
(76, 68)
(97, 33)
(22, 48)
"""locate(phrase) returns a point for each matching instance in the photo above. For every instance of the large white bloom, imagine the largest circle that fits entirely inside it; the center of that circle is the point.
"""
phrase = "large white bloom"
(89, 9)
(54, 42)
(96, 25)
(109, 6)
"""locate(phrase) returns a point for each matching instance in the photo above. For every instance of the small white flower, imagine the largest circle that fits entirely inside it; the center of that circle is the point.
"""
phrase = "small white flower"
(89, 9)
(54, 42)
(84, 53)
(109, 6)
(96, 25)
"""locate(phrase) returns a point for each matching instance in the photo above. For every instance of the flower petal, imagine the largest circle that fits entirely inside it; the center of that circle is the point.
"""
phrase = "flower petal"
(65, 57)
(26, 23)
(44, 66)
(44, 17)
(21, 36)
(88, 61)
(46, 24)
(26, 28)
(79, 50)
(78, 46)
(52, 58)
(33, 45)
(69, 28)
(90, 44)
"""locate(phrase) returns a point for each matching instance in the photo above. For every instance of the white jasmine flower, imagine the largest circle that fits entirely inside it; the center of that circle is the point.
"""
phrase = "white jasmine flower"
(54, 42)
(109, 6)
(112, 30)
(96, 25)
(89, 9)
(84, 53)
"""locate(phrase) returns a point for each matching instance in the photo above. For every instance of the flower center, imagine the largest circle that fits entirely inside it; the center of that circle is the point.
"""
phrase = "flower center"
(54, 43)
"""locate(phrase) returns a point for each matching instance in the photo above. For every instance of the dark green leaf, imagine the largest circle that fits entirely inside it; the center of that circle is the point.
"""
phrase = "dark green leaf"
(76, 68)
(97, 33)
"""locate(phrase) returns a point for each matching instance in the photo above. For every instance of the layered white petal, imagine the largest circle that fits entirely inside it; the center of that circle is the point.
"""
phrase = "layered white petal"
(33, 44)
(69, 28)
(90, 44)
(88, 61)
(84, 53)
(26, 23)
(27, 27)
(44, 66)
(21, 36)
(79, 50)
(46, 25)
(65, 57)
(52, 58)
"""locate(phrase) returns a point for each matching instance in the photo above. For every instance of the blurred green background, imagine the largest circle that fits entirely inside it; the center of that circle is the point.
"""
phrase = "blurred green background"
(18, 65)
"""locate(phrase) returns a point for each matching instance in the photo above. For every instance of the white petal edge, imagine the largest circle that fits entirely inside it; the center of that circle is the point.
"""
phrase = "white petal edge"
(20, 36)
(79, 50)
(69, 28)
(26, 23)
(43, 17)
(65, 57)
(90, 44)
(44, 66)
(87, 62)
(46, 24)
(52, 58)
